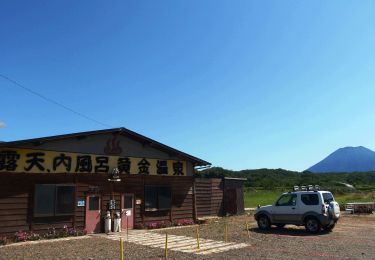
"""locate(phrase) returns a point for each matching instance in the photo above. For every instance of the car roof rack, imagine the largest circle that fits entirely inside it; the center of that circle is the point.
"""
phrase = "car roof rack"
(306, 188)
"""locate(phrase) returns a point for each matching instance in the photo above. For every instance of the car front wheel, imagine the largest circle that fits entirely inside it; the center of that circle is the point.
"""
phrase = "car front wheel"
(263, 222)
(312, 225)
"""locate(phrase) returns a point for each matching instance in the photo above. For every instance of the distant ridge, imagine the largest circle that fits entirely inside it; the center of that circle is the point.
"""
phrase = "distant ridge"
(347, 159)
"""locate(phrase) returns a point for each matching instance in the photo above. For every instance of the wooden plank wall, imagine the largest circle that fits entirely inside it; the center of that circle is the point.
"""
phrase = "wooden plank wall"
(182, 199)
(16, 199)
(209, 197)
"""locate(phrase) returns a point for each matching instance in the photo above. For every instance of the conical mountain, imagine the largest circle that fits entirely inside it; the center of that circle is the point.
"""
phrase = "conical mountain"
(347, 159)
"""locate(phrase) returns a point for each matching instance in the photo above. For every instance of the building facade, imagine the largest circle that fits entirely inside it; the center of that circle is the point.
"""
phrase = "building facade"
(75, 179)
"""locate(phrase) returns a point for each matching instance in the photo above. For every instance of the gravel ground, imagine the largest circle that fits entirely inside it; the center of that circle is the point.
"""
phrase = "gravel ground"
(353, 238)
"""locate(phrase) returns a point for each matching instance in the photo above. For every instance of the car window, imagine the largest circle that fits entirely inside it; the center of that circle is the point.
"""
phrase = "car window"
(327, 197)
(287, 200)
(310, 199)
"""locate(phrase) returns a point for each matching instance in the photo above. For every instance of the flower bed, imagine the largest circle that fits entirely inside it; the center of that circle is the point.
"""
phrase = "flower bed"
(3, 240)
(164, 224)
(22, 236)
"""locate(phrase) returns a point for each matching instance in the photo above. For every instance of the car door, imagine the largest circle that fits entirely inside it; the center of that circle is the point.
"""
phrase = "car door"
(285, 209)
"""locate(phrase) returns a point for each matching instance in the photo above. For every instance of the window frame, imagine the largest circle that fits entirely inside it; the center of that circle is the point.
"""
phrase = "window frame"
(284, 195)
(310, 194)
(90, 204)
(158, 191)
(325, 200)
(55, 196)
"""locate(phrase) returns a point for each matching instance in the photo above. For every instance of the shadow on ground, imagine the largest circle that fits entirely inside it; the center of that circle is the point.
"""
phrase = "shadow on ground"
(287, 231)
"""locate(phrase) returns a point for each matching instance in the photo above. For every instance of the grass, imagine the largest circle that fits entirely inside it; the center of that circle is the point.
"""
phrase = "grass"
(355, 197)
(254, 197)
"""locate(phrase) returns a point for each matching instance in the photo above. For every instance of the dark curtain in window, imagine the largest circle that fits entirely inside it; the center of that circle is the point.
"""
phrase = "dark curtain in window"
(164, 195)
(157, 198)
(64, 200)
(44, 200)
(151, 198)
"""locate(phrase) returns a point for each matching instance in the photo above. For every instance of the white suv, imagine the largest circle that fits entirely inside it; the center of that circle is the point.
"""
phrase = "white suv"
(313, 209)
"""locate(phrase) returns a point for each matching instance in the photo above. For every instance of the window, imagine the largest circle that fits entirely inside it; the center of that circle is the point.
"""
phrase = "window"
(328, 198)
(310, 199)
(128, 202)
(287, 200)
(44, 200)
(94, 203)
(157, 198)
(53, 200)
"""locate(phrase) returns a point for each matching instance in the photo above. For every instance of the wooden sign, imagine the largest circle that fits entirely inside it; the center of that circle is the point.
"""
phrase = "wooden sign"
(42, 161)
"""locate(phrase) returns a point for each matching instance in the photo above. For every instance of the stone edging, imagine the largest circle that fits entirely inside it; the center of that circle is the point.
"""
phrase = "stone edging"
(42, 241)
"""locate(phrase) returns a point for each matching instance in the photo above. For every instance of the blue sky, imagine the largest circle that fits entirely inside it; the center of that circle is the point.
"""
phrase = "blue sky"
(242, 84)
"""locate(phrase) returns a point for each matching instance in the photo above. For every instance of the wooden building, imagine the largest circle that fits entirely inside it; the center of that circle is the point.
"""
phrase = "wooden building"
(75, 179)
(219, 196)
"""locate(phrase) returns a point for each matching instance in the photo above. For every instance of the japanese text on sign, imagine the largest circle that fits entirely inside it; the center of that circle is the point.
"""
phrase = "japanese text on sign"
(40, 161)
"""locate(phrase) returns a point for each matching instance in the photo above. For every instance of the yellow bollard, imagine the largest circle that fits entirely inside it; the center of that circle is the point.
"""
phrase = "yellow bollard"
(198, 245)
(121, 249)
(225, 232)
(166, 245)
(247, 229)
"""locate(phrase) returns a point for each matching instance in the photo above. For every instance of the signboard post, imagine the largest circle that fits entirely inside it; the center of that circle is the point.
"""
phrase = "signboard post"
(127, 214)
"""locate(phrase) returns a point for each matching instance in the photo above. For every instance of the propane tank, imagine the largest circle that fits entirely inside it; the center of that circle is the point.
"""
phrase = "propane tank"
(117, 222)
(107, 222)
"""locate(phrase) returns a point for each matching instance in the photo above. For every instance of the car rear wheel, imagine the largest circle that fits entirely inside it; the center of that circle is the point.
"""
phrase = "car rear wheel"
(329, 228)
(312, 225)
(263, 222)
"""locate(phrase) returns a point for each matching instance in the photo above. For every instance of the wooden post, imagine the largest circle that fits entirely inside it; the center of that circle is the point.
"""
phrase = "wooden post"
(127, 227)
(195, 214)
(198, 245)
(75, 206)
(247, 229)
(112, 198)
(121, 249)
(142, 206)
(226, 232)
(166, 245)
(171, 209)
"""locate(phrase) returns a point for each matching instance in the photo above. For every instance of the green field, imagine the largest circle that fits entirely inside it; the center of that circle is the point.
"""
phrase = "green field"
(254, 197)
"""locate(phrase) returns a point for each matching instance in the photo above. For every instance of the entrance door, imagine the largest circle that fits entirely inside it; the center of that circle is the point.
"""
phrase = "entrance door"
(127, 211)
(230, 201)
(93, 213)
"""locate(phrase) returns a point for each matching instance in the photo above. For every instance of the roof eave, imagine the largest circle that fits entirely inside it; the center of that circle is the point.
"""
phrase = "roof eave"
(120, 130)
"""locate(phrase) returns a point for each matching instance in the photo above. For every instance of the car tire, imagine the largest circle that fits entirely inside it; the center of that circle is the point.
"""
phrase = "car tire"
(329, 228)
(280, 225)
(312, 225)
(263, 222)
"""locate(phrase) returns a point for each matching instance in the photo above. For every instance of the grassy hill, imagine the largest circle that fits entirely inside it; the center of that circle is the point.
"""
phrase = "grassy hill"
(275, 179)
(264, 186)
